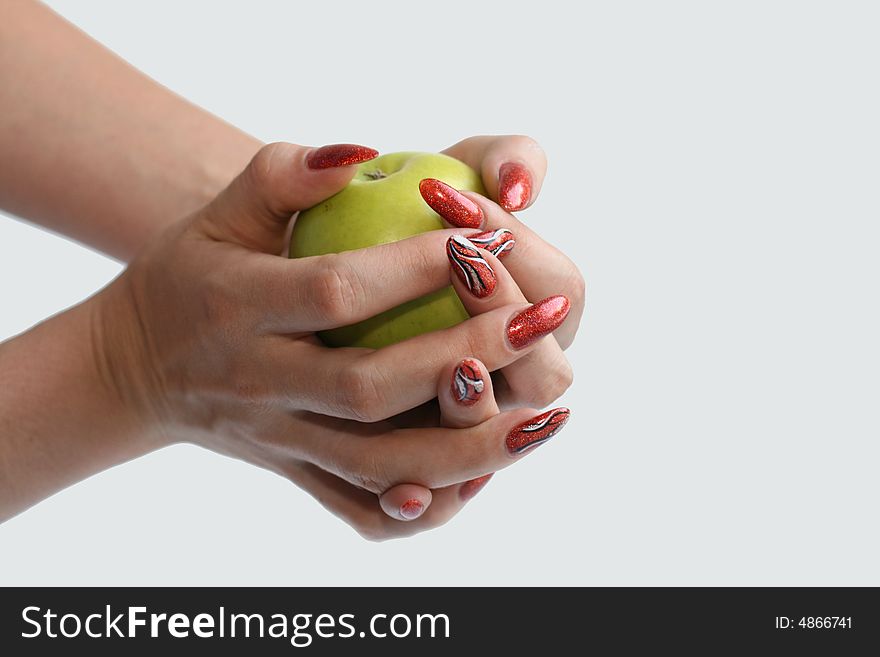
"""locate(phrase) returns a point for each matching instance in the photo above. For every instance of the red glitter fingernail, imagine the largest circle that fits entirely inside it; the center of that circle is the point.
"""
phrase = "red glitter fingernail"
(471, 267)
(467, 382)
(498, 242)
(411, 509)
(514, 186)
(339, 155)
(470, 488)
(451, 204)
(537, 320)
(536, 431)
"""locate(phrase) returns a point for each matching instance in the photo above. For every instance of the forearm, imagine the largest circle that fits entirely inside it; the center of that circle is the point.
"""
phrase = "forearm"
(91, 147)
(62, 418)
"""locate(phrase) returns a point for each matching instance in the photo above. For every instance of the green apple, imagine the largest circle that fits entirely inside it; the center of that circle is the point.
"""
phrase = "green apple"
(382, 204)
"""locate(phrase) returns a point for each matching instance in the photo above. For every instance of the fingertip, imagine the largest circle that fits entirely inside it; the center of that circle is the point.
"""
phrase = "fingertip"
(465, 394)
(472, 266)
(469, 382)
(334, 156)
(411, 509)
(518, 165)
(535, 431)
(405, 502)
(515, 185)
(451, 204)
(499, 242)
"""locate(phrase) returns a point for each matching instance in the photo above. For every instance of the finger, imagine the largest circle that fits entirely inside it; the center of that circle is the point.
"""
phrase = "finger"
(405, 501)
(512, 166)
(538, 267)
(281, 179)
(432, 457)
(333, 290)
(465, 394)
(369, 386)
(536, 379)
(468, 401)
(361, 509)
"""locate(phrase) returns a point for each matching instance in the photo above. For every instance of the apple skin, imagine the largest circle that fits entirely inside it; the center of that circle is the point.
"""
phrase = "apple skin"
(382, 204)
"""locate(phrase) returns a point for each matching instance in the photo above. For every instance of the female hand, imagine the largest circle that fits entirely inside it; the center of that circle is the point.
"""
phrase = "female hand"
(513, 169)
(209, 335)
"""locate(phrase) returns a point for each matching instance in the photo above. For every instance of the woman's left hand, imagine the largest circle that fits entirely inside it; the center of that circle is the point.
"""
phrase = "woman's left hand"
(513, 168)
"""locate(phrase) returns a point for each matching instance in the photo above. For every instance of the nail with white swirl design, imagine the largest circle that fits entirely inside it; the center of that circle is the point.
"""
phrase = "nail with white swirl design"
(497, 242)
(536, 431)
(470, 266)
(467, 382)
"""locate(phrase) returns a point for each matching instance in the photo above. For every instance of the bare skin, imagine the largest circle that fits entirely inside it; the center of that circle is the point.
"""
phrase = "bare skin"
(208, 335)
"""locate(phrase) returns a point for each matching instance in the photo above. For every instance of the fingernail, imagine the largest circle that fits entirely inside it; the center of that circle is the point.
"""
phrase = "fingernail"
(497, 242)
(470, 266)
(451, 204)
(514, 186)
(467, 382)
(536, 431)
(339, 155)
(537, 320)
(470, 488)
(411, 509)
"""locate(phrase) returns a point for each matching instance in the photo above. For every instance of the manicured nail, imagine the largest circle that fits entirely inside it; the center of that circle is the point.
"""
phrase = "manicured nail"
(451, 204)
(470, 488)
(467, 382)
(411, 509)
(537, 320)
(536, 431)
(497, 242)
(514, 186)
(339, 155)
(470, 266)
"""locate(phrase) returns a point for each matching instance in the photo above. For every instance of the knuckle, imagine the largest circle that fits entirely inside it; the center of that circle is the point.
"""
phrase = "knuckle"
(474, 340)
(263, 166)
(578, 287)
(336, 293)
(562, 379)
(473, 141)
(255, 396)
(360, 394)
(551, 386)
(370, 472)
(218, 306)
(246, 388)
(420, 261)
(529, 145)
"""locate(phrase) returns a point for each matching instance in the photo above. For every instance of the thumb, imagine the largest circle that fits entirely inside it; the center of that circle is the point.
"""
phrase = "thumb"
(281, 179)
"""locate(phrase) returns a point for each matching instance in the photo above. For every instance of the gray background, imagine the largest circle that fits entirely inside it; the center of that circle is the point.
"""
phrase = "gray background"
(714, 172)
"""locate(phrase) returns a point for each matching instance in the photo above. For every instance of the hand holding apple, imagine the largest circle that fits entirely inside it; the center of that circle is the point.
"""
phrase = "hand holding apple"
(365, 214)
(209, 337)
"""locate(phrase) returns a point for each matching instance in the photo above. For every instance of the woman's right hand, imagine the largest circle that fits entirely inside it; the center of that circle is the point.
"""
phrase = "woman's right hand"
(209, 336)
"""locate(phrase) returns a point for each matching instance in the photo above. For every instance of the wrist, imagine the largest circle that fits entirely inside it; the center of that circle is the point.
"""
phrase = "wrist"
(63, 414)
(123, 374)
